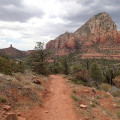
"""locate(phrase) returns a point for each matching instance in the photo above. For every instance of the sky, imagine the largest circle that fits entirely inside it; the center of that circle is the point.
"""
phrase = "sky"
(25, 22)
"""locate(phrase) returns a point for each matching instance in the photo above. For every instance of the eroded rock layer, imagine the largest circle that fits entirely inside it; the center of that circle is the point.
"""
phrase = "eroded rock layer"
(95, 36)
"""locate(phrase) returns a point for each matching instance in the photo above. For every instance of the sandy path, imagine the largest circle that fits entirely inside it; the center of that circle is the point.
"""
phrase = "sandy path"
(59, 105)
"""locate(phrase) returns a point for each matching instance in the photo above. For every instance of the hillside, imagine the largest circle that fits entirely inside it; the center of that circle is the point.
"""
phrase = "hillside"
(12, 52)
(51, 100)
(98, 37)
(15, 53)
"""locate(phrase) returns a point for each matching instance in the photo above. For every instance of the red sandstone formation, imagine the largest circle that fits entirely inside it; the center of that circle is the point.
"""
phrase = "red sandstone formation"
(63, 44)
(98, 33)
(12, 52)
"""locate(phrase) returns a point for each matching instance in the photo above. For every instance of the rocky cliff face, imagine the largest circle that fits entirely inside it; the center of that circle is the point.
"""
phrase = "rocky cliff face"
(63, 44)
(100, 30)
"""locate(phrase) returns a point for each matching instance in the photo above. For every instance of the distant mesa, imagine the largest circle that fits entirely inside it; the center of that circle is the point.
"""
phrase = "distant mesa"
(97, 38)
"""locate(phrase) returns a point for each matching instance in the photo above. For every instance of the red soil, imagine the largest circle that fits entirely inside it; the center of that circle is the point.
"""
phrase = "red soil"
(58, 105)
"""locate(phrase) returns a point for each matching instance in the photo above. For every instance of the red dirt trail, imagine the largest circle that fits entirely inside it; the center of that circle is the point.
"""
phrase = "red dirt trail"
(58, 106)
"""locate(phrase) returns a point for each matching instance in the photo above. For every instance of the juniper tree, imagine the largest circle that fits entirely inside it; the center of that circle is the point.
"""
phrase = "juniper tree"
(39, 58)
(96, 73)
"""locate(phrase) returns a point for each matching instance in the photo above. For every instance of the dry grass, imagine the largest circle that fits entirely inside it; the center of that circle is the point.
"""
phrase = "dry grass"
(97, 103)
(118, 114)
(22, 91)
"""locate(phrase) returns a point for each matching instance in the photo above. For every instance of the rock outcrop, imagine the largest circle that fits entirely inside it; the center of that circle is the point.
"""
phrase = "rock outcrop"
(12, 52)
(100, 31)
(63, 44)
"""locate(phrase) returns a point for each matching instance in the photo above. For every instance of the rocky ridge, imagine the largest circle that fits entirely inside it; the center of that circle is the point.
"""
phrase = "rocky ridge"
(12, 52)
(93, 38)
(15, 53)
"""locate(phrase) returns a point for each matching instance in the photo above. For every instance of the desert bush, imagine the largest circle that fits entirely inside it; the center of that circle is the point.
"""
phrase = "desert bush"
(116, 94)
(93, 105)
(117, 81)
(106, 96)
(55, 68)
(106, 87)
(96, 74)
(65, 65)
(98, 97)
(118, 114)
(74, 97)
(74, 90)
(3, 100)
(111, 89)
(94, 101)
(8, 66)
(117, 72)
(85, 75)
(82, 77)
(109, 74)
(60, 65)
(5, 66)
(76, 68)
(79, 81)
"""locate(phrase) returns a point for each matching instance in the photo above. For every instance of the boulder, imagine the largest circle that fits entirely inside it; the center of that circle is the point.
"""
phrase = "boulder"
(7, 107)
(83, 106)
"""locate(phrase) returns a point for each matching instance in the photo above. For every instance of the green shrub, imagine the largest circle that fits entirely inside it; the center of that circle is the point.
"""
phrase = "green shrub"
(3, 100)
(93, 105)
(95, 102)
(76, 68)
(117, 81)
(106, 96)
(96, 73)
(98, 97)
(116, 94)
(55, 68)
(83, 75)
(65, 65)
(5, 66)
(75, 81)
(118, 114)
(74, 91)
(74, 97)
(105, 87)
(8, 66)
(118, 105)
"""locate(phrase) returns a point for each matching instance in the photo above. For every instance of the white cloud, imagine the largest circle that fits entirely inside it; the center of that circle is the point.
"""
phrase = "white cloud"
(25, 22)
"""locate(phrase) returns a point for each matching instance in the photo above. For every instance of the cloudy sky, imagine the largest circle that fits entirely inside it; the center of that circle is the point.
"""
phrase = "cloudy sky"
(24, 22)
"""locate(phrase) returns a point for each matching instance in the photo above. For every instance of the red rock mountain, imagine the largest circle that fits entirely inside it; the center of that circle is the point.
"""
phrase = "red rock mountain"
(12, 52)
(96, 38)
